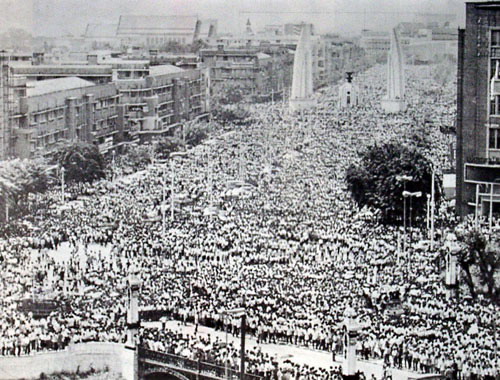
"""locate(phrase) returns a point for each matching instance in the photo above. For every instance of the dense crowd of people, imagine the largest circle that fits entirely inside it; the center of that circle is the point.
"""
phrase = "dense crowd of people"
(262, 219)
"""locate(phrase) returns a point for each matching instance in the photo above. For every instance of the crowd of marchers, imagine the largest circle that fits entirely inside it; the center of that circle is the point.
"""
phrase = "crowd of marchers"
(261, 220)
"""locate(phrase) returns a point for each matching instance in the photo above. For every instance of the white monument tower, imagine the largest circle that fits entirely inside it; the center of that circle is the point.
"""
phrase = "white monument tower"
(302, 82)
(395, 100)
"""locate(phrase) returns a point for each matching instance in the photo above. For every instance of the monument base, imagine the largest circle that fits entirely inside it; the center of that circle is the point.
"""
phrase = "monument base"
(393, 105)
(297, 105)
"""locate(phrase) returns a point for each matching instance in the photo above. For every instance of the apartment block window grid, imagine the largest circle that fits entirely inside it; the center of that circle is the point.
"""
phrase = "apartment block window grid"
(494, 99)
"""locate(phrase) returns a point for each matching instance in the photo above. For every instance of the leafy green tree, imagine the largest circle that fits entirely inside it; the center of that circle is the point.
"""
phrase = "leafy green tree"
(195, 133)
(166, 146)
(482, 256)
(231, 114)
(19, 179)
(227, 93)
(134, 158)
(197, 45)
(375, 181)
(82, 162)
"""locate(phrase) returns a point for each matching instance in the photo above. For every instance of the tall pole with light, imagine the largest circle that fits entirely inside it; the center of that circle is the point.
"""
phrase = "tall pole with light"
(433, 206)
(172, 189)
(62, 184)
(163, 203)
(404, 179)
(6, 208)
(407, 194)
(428, 222)
(113, 167)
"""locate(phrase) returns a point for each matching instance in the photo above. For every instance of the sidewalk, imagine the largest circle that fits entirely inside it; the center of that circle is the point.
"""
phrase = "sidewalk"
(282, 352)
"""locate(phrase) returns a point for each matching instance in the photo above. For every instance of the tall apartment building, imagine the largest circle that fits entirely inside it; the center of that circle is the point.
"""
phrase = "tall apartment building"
(11, 89)
(65, 109)
(159, 102)
(478, 110)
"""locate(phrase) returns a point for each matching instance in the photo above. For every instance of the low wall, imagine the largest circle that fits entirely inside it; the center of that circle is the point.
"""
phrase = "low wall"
(80, 357)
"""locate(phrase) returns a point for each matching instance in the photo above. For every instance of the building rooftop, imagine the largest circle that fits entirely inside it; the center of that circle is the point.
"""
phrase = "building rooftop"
(484, 4)
(147, 25)
(48, 86)
(164, 70)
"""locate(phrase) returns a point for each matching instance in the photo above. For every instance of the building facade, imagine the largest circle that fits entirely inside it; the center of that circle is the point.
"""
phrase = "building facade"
(158, 103)
(478, 111)
(65, 109)
(107, 102)
(12, 89)
(255, 73)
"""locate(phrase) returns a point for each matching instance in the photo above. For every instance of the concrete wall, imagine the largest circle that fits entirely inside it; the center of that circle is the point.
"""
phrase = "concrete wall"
(81, 356)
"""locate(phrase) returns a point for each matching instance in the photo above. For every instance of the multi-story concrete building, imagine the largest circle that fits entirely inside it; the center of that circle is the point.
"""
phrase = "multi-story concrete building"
(420, 42)
(106, 101)
(65, 109)
(478, 110)
(161, 101)
(11, 89)
(254, 72)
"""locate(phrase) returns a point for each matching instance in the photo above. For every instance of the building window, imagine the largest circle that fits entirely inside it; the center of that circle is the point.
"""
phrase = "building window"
(495, 105)
(494, 138)
(495, 38)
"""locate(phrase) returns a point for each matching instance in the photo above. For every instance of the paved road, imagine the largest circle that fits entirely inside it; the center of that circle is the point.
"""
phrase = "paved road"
(282, 352)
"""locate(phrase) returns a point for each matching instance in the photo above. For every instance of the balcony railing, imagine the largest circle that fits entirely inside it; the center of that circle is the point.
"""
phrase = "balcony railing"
(483, 161)
(191, 365)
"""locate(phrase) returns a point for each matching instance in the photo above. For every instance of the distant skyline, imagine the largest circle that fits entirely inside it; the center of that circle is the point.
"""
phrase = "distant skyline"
(61, 17)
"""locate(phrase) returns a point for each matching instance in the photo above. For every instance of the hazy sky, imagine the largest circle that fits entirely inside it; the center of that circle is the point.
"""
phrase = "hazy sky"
(55, 17)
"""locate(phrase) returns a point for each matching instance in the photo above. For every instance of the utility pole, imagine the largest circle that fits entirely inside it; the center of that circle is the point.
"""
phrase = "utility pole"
(113, 167)
(62, 184)
(491, 207)
(6, 208)
(433, 206)
(172, 189)
(242, 349)
(404, 178)
(163, 203)
(476, 211)
(428, 222)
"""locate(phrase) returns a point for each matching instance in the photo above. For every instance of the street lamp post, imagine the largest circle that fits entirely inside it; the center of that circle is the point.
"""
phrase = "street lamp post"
(113, 167)
(404, 178)
(172, 190)
(6, 208)
(62, 184)
(433, 206)
(406, 194)
(239, 312)
(163, 204)
(173, 156)
(428, 214)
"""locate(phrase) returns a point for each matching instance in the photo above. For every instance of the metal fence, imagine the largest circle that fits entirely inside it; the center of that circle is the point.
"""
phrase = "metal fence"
(196, 366)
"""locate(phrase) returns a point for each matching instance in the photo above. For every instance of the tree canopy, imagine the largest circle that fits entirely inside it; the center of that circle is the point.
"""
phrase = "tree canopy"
(81, 161)
(479, 258)
(18, 179)
(377, 180)
(166, 146)
(195, 133)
